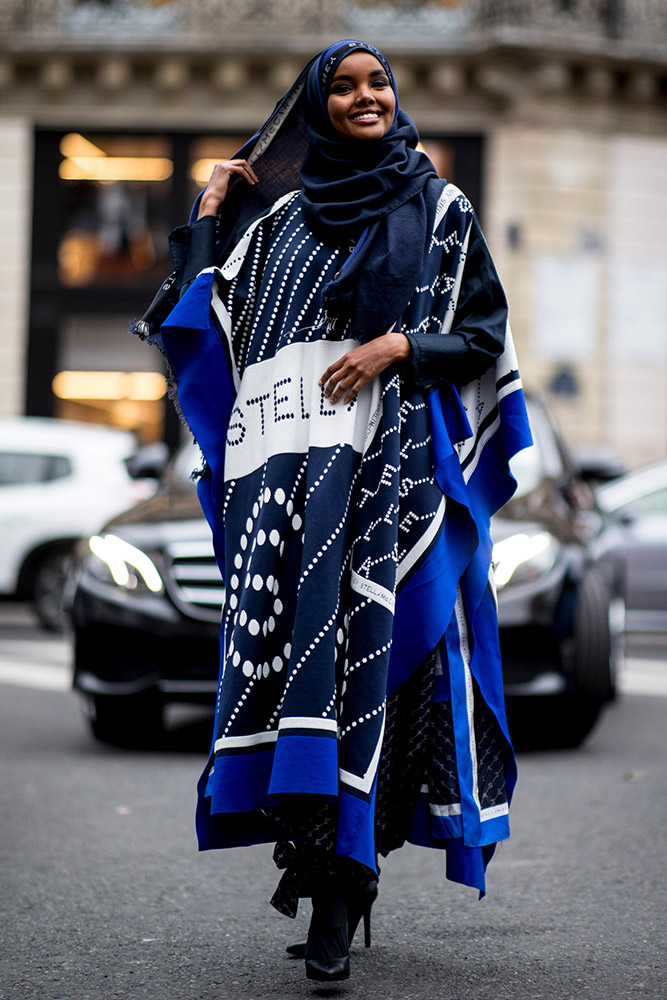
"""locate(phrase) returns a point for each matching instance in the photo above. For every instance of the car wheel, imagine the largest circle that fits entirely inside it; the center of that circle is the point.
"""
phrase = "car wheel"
(48, 589)
(126, 720)
(592, 680)
(563, 721)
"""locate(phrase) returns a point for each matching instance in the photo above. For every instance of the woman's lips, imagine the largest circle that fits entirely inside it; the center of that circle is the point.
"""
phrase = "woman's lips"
(365, 116)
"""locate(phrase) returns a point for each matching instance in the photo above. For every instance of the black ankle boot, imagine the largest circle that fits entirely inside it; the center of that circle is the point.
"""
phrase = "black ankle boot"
(359, 902)
(327, 948)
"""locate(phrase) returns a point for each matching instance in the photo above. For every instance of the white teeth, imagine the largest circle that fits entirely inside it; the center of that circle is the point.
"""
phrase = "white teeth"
(366, 116)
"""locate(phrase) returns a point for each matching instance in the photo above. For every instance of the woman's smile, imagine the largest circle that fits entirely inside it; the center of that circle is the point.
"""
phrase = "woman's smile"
(361, 102)
(365, 116)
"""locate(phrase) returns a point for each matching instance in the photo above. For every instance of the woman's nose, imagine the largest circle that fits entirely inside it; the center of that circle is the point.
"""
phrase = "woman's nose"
(365, 96)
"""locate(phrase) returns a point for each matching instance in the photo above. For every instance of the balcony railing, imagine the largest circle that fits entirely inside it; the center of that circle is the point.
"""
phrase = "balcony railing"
(634, 21)
(119, 22)
(435, 22)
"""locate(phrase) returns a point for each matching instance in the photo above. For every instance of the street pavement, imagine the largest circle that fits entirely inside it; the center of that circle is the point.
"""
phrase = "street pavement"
(103, 894)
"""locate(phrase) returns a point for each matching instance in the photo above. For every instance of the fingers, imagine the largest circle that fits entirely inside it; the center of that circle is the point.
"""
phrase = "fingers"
(243, 168)
(217, 187)
(343, 379)
(346, 389)
(331, 370)
(227, 168)
(337, 378)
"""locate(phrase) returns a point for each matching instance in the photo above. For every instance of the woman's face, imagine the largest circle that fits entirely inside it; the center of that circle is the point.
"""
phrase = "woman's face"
(361, 102)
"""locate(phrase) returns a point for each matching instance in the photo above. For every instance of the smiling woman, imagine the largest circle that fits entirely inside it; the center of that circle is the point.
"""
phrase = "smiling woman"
(361, 102)
(342, 355)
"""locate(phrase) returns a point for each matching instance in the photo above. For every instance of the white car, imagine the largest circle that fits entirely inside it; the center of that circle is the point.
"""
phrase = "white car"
(59, 482)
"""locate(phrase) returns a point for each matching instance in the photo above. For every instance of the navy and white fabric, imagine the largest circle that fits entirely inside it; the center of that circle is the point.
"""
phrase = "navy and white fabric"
(353, 539)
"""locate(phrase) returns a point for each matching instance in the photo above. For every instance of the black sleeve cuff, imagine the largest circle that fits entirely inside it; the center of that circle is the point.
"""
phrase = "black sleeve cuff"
(193, 248)
(436, 357)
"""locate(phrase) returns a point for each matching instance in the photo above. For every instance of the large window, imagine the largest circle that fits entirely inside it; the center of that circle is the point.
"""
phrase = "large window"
(104, 204)
(117, 192)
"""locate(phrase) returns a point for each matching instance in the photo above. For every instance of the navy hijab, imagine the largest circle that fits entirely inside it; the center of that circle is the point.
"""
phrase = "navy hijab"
(372, 191)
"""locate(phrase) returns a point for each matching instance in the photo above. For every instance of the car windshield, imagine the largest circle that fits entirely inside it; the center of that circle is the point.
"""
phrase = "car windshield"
(644, 491)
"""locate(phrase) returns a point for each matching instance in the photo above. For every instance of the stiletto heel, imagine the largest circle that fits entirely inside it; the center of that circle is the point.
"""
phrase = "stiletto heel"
(359, 904)
(327, 949)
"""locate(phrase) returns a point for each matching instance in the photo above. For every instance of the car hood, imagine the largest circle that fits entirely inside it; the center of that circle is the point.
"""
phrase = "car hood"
(170, 504)
(503, 527)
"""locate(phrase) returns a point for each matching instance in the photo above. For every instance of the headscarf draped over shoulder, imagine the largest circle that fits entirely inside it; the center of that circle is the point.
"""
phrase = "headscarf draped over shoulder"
(373, 192)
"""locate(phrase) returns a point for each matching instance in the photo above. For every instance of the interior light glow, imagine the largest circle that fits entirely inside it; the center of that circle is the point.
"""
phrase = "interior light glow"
(86, 161)
(74, 144)
(115, 168)
(201, 170)
(512, 552)
(119, 554)
(138, 386)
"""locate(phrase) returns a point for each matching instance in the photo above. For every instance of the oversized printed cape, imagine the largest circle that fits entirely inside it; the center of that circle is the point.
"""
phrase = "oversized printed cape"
(353, 540)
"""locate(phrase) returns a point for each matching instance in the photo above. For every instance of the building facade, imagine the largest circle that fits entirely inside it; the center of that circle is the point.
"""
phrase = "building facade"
(550, 114)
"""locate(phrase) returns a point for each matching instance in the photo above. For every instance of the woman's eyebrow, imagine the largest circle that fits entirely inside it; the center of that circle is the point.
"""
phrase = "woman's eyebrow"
(344, 76)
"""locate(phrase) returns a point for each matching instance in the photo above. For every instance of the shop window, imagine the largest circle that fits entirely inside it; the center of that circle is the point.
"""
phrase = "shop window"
(107, 376)
(117, 191)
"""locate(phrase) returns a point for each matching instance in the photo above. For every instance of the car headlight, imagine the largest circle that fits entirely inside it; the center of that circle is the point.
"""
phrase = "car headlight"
(523, 557)
(112, 559)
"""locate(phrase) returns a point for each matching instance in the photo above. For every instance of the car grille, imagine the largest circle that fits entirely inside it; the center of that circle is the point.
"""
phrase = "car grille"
(195, 580)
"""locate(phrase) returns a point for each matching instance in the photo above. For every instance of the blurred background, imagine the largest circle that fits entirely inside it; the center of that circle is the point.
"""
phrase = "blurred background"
(550, 114)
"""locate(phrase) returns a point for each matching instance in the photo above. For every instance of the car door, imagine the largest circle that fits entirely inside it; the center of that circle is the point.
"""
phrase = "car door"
(28, 480)
(645, 557)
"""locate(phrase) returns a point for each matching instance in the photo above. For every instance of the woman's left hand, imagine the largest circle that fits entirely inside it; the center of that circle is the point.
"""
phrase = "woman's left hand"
(347, 376)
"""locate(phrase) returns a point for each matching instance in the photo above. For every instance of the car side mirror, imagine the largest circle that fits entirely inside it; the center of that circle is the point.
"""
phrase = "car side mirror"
(149, 462)
(598, 463)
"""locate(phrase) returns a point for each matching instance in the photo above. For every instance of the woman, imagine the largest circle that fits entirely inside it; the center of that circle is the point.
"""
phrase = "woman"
(348, 373)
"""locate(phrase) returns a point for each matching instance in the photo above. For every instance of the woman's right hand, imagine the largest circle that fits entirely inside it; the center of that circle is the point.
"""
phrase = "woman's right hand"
(216, 189)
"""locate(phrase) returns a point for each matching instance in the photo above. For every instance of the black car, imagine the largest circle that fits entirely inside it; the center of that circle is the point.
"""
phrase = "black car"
(146, 608)
(146, 612)
(561, 604)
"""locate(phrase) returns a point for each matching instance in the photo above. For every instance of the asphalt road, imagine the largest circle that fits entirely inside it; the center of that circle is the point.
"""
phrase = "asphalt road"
(103, 894)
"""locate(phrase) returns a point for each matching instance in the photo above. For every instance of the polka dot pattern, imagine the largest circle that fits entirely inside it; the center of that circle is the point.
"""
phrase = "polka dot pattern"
(304, 521)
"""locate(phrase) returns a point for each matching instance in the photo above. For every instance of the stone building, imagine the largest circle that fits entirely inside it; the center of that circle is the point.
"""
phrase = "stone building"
(550, 114)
